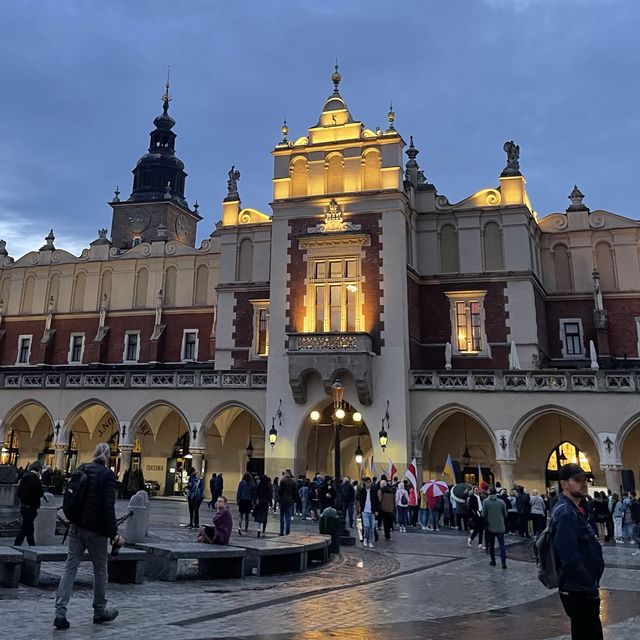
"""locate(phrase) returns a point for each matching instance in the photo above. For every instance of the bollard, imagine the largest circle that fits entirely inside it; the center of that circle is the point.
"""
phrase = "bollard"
(136, 529)
(145, 496)
(45, 522)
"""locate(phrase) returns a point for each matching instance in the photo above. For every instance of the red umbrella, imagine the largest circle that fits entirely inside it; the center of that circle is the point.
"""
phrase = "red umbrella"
(434, 488)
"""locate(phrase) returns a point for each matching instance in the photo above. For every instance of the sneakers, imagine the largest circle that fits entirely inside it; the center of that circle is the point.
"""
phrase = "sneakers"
(107, 616)
(61, 622)
(469, 542)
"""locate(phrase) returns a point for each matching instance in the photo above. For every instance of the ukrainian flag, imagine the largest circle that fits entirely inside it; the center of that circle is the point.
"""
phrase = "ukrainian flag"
(448, 469)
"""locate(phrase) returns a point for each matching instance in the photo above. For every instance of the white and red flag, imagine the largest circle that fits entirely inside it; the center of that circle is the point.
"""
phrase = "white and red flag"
(412, 474)
(393, 472)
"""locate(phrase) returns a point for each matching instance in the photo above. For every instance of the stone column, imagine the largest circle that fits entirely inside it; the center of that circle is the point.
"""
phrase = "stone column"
(125, 458)
(196, 461)
(59, 456)
(506, 473)
(613, 477)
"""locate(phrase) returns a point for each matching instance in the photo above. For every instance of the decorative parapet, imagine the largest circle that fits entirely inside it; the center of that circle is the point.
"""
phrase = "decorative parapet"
(358, 342)
(530, 381)
(134, 380)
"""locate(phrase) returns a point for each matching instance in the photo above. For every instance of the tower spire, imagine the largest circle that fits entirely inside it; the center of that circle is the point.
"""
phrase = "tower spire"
(335, 78)
(166, 97)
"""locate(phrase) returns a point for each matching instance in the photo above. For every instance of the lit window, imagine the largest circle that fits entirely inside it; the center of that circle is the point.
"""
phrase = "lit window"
(468, 323)
(76, 347)
(335, 284)
(24, 349)
(131, 347)
(566, 453)
(571, 336)
(260, 344)
(190, 345)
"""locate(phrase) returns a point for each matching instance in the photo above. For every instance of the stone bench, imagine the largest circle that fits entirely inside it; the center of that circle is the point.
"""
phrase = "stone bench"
(10, 561)
(316, 547)
(268, 556)
(214, 561)
(126, 568)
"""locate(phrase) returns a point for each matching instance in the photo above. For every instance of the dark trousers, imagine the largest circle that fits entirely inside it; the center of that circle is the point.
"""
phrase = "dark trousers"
(491, 543)
(478, 528)
(387, 523)
(539, 522)
(26, 530)
(462, 520)
(523, 524)
(194, 511)
(348, 512)
(583, 609)
(286, 511)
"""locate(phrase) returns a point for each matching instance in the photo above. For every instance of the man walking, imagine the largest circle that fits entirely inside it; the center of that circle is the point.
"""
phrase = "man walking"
(578, 556)
(494, 512)
(347, 497)
(94, 528)
(368, 507)
(287, 495)
(29, 493)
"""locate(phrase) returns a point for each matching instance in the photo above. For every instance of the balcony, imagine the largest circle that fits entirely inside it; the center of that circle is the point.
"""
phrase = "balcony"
(328, 354)
(528, 381)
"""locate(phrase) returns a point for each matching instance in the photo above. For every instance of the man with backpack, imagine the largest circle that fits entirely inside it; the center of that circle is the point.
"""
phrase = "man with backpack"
(89, 504)
(29, 493)
(578, 556)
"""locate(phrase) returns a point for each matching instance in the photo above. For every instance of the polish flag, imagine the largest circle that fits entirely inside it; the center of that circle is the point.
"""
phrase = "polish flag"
(393, 472)
(412, 474)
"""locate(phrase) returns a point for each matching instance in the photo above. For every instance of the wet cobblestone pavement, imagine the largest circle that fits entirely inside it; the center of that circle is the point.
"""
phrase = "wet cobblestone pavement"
(420, 585)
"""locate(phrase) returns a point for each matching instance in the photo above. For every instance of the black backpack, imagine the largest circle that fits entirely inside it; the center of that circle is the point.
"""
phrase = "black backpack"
(75, 495)
(548, 572)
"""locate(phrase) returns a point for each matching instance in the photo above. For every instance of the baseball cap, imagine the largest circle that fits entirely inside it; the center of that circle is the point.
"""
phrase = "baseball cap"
(570, 471)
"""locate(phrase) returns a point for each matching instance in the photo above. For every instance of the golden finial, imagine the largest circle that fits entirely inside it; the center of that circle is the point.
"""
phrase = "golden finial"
(166, 98)
(285, 130)
(391, 116)
(336, 77)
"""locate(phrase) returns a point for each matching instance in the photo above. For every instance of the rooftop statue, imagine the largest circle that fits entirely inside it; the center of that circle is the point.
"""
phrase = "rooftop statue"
(513, 159)
(232, 183)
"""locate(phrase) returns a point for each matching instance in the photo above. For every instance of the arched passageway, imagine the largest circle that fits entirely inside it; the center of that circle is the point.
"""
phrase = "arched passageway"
(630, 454)
(28, 436)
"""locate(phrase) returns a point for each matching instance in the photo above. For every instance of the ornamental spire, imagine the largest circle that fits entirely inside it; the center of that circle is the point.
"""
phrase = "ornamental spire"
(335, 78)
(166, 97)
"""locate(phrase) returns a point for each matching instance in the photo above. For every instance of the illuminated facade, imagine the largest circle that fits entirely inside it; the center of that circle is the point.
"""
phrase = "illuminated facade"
(478, 327)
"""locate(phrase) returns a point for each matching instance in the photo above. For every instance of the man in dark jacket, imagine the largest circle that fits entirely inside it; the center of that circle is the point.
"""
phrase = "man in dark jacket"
(94, 529)
(578, 556)
(368, 508)
(287, 494)
(29, 493)
(347, 497)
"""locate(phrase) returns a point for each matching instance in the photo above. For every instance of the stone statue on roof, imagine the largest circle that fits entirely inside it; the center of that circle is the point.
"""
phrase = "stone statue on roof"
(513, 159)
(232, 182)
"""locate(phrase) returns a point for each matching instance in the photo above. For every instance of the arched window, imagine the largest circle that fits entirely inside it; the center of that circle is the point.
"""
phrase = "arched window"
(170, 285)
(202, 284)
(77, 303)
(562, 268)
(606, 267)
(449, 261)
(5, 288)
(244, 266)
(565, 453)
(335, 174)
(299, 177)
(492, 245)
(54, 290)
(105, 287)
(27, 294)
(140, 295)
(371, 170)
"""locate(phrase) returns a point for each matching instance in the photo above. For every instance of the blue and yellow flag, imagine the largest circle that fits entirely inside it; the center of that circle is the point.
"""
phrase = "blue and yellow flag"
(448, 469)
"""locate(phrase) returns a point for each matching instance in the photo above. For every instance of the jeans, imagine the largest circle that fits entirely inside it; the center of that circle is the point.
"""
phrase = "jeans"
(403, 516)
(583, 608)
(491, 543)
(423, 517)
(97, 546)
(368, 526)
(194, 511)
(26, 530)
(434, 516)
(286, 511)
(617, 528)
(348, 513)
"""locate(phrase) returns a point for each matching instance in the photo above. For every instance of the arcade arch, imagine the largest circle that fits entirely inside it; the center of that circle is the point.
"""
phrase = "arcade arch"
(630, 455)
(28, 430)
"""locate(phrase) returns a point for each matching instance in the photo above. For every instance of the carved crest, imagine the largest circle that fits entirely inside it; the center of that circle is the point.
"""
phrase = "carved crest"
(333, 221)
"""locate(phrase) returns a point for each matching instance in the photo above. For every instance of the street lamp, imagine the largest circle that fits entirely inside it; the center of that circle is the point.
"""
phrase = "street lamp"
(383, 436)
(273, 433)
(359, 455)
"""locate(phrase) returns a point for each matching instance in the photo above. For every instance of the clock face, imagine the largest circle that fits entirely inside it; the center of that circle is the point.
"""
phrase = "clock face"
(138, 220)
(182, 227)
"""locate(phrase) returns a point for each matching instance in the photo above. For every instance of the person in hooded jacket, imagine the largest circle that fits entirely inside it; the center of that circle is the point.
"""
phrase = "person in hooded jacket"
(30, 491)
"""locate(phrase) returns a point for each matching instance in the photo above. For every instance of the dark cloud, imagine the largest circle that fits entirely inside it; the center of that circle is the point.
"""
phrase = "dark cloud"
(81, 84)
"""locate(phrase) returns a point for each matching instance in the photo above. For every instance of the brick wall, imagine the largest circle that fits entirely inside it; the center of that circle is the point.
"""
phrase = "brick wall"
(243, 312)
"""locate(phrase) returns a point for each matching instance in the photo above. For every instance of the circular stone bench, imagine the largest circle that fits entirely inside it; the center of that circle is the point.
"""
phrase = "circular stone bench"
(126, 568)
(214, 561)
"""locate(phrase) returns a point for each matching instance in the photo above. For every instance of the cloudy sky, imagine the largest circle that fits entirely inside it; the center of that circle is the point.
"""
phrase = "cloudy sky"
(81, 81)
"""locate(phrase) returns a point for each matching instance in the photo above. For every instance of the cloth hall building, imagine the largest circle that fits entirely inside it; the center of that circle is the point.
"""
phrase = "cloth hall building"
(476, 328)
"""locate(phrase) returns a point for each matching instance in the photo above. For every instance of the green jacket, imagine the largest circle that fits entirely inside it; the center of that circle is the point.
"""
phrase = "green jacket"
(494, 512)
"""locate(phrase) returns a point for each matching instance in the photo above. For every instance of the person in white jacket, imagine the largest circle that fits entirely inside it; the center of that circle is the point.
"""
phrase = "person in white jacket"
(402, 507)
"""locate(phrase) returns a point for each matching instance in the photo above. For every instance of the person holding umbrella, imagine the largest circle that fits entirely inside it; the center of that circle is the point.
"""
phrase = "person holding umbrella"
(433, 492)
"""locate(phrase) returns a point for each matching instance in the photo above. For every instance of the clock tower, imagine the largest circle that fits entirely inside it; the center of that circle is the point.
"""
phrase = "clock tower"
(157, 200)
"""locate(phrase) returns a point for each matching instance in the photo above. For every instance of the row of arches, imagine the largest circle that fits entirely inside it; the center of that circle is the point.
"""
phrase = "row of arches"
(334, 173)
(603, 259)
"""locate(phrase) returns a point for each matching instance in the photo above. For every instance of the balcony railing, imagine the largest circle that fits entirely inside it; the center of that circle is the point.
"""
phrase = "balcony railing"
(325, 342)
(579, 381)
(134, 380)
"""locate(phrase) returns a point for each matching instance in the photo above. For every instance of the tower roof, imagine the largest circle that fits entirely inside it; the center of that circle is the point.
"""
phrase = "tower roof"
(335, 110)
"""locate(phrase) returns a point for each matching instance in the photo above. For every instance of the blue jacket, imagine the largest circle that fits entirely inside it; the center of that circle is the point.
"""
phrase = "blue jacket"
(578, 553)
(196, 488)
(244, 491)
